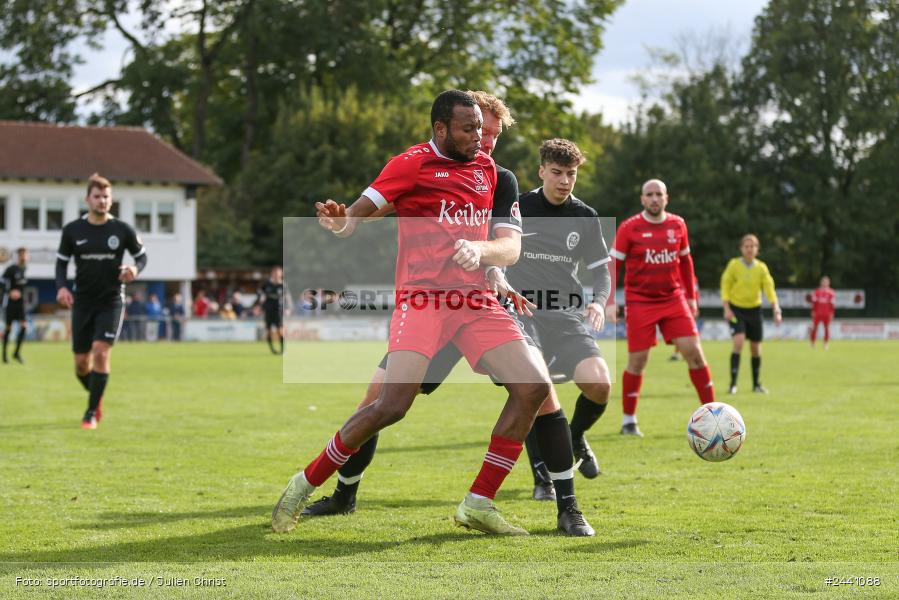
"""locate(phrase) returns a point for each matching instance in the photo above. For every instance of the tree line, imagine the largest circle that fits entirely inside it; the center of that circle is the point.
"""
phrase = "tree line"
(292, 101)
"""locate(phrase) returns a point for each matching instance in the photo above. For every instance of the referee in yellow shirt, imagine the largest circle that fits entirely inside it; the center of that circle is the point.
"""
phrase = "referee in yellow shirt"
(742, 284)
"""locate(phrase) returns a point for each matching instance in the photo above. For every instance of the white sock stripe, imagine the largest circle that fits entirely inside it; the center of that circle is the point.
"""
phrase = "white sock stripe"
(332, 447)
(350, 480)
(569, 474)
(502, 459)
(499, 465)
(338, 461)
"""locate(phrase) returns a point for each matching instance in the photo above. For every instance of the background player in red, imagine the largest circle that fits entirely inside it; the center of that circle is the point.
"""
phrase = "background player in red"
(658, 292)
(823, 309)
(443, 192)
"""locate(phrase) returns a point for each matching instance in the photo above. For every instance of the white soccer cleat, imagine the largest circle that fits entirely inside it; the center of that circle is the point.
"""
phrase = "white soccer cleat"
(287, 511)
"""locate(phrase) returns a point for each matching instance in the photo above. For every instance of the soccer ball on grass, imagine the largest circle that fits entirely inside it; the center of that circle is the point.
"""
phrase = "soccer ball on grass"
(716, 431)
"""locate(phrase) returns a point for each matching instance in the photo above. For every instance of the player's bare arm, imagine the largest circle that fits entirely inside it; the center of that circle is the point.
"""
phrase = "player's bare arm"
(501, 251)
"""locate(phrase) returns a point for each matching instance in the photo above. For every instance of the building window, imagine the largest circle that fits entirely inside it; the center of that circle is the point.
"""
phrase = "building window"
(165, 217)
(55, 212)
(2, 213)
(31, 214)
(143, 216)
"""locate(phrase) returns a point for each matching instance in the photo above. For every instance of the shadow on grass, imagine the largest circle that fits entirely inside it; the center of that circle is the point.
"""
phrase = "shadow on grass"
(434, 448)
(118, 520)
(242, 543)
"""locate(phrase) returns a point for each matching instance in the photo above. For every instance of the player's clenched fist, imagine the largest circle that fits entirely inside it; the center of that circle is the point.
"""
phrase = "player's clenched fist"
(468, 255)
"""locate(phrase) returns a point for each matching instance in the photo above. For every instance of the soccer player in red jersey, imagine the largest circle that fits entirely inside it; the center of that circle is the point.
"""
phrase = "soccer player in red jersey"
(658, 292)
(823, 309)
(442, 191)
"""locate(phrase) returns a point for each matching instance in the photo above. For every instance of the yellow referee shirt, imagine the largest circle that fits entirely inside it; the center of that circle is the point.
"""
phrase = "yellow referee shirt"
(742, 284)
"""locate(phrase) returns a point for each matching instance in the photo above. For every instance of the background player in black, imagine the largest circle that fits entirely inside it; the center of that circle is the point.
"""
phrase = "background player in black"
(560, 233)
(12, 296)
(271, 297)
(97, 241)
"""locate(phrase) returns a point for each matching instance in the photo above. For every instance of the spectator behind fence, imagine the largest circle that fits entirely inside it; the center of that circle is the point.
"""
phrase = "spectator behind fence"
(176, 311)
(237, 305)
(136, 312)
(227, 312)
(201, 305)
(154, 312)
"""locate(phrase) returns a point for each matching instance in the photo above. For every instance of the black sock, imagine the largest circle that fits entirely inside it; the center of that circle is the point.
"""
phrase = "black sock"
(355, 466)
(271, 346)
(564, 493)
(5, 340)
(554, 441)
(19, 339)
(84, 379)
(586, 413)
(98, 384)
(534, 458)
(734, 368)
(756, 367)
(281, 343)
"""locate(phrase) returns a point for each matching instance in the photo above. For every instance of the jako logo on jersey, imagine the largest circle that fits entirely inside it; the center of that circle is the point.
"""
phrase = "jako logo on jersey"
(112, 242)
(654, 257)
(467, 215)
(573, 238)
(438, 174)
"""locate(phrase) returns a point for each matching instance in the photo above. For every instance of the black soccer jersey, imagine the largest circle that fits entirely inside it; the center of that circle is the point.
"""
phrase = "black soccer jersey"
(13, 279)
(271, 295)
(506, 212)
(98, 251)
(555, 240)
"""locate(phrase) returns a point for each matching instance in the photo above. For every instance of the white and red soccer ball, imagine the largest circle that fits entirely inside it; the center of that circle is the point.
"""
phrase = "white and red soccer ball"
(716, 431)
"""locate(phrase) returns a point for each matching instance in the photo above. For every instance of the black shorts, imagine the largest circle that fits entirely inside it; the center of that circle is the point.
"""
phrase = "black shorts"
(748, 321)
(96, 323)
(443, 363)
(15, 311)
(563, 339)
(273, 318)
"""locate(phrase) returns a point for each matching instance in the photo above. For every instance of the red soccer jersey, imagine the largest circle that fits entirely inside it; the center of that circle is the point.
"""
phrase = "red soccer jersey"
(652, 253)
(438, 201)
(823, 303)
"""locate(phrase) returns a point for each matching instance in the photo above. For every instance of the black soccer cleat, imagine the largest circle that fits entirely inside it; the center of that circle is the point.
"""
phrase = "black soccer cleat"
(631, 429)
(330, 505)
(760, 389)
(571, 520)
(544, 492)
(588, 467)
(18, 359)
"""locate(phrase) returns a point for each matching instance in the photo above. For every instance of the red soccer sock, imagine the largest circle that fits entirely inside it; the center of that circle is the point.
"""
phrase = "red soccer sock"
(332, 458)
(501, 456)
(702, 381)
(630, 392)
(826, 332)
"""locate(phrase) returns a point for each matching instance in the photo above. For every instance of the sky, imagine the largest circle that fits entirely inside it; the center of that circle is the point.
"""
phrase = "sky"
(634, 28)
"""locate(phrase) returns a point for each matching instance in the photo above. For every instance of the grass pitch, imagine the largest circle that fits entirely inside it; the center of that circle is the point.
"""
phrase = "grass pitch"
(198, 440)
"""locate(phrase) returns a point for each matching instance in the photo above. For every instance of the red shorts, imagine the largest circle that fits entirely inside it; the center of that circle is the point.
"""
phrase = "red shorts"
(674, 318)
(822, 318)
(426, 326)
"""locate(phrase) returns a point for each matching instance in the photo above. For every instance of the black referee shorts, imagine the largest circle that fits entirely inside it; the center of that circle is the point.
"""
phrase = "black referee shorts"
(15, 311)
(273, 318)
(96, 323)
(748, 321)
(563, 339)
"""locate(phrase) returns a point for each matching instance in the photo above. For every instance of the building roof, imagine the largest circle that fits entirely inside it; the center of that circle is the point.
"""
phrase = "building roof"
(121, 154)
